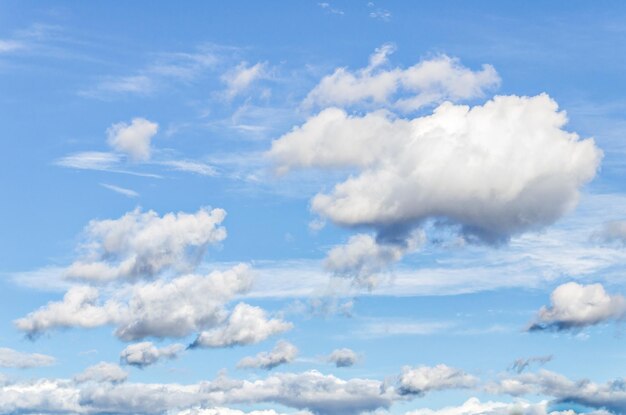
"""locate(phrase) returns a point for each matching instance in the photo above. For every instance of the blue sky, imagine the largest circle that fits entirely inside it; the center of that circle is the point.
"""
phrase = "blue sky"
(312, 208)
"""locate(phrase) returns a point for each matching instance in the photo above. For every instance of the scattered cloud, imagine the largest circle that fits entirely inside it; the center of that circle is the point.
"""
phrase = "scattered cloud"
(612, 231)
(191, 166)
(575, 306)
(283, 353)
(522, 364)
(241, 78)
(330, 9)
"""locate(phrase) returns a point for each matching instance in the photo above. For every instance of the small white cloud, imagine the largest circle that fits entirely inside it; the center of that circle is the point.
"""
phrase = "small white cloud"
(240, 78)
(420, 380)
(202, 169)
(90, 160)
(134, 138)
(343, 357)
(146, 353)
(576, 306)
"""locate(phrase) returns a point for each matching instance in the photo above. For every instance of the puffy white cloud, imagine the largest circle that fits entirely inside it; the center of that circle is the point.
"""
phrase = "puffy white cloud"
(161, 308)
(40, 397)
(142, 244)
(146, 353)
(14, 358)
(343, 357)
(134, 138)
(240, 78)
(102, 372)
(283, 353)
(494, 170)
(430, 81)
(363, 257)
(420, 380)
(245, 325)
(608, 396)
(575, 305)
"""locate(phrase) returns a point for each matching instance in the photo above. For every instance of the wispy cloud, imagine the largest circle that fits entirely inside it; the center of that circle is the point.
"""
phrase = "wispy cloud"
(121, 190)
(330, 9)
(191, 166)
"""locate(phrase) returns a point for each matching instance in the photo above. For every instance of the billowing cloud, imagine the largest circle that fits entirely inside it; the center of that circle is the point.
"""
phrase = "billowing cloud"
(142, 244)
(160, 308)
(283, 353)
(14, 358)
(576, 306)
(420, 380)
(493, 170)
(363, 257)
(343, 357)
(146, 353)
(245, 325)
(133, 139)
(427, 82)
(102, 372)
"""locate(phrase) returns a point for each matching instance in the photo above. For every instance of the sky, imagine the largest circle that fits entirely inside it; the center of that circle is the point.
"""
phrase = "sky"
(313, 208)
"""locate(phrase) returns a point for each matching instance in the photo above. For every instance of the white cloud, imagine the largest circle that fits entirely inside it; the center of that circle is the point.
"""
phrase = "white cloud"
(90, 160)
(240, 78)
(142, 244)
(134, 138)
(575, 306)
(192, 167)
(102, 372)
(10, 45)
(245, 325)
(121, 190)
(342, 357)
(363, 257)
(13, 358)
(283, 353)
(161, 308)
(146, 353)
(495, 170)
(420, 380)
(474, 406)
(425, 83)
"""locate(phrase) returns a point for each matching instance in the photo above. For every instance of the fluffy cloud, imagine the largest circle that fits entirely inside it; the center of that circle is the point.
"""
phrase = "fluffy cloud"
(102, 372)
(284, 352)
(610, 395)
(430, 81)
(575, 306)
(494, 170)
(343, 357)
(146, 353)
(420, 380)
(134, 138)
(13, 358)
(142, 244)
(246, 325)
(161, 308)
(363, 257)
